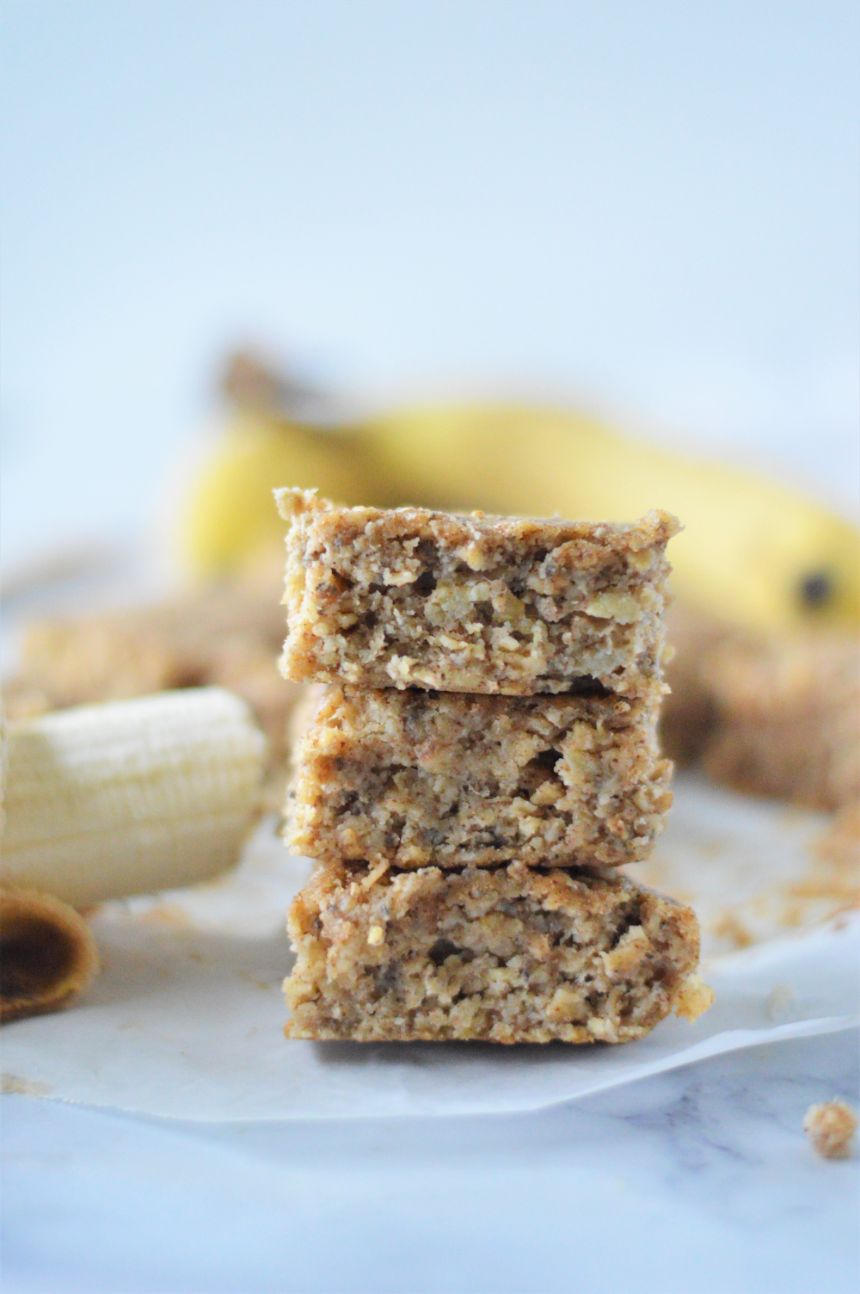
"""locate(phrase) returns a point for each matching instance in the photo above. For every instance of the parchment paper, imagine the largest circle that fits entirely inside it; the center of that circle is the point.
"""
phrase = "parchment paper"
(186, 1018)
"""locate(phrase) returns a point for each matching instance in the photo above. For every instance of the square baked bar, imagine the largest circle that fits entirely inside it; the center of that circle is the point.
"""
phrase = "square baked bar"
(414, 778)
(506, 954)
(227, 634)
(413, 598)
(787, 718)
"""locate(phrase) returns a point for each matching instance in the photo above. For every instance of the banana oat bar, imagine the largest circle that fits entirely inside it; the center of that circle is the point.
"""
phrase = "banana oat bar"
(413, 598)
(506, 954)
(227, 634)
(787, 718)
(414, 778)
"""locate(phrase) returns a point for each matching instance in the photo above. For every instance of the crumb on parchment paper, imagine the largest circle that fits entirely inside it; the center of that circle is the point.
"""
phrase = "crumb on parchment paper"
(830, 1128)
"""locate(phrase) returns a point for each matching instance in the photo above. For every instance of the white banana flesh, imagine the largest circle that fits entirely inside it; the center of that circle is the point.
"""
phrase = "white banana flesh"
(131, 797)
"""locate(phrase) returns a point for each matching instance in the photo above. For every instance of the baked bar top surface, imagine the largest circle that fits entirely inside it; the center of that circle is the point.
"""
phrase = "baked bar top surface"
(495, 538)
(415, 778)
(415, 598)
(508, 954)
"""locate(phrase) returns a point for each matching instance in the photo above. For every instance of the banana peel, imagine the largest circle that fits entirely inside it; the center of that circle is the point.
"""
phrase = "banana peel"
(753, 553)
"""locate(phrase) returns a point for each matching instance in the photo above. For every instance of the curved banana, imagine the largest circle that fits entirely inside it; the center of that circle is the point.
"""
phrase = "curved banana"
(229, 516)
(753, 552)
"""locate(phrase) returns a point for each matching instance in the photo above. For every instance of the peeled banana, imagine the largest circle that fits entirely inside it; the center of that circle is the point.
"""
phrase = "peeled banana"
(753, 553)
(130, 797)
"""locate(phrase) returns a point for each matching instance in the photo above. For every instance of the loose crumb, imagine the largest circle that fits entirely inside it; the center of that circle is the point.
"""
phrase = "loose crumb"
(830, 1128)
(694, 999)
(730, 927)
(779, 1002)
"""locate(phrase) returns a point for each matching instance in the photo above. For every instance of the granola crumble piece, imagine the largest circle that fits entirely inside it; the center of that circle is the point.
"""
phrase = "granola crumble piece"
(830, 1128)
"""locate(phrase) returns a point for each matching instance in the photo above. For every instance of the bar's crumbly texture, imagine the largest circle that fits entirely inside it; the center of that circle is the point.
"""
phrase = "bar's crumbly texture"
(788, 718)
(507, 954)
(418, 778)
(413, 598)
(205, 636)
(226, 633)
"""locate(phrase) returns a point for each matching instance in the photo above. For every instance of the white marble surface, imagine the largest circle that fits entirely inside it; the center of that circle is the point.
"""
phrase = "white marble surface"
(697, 1180)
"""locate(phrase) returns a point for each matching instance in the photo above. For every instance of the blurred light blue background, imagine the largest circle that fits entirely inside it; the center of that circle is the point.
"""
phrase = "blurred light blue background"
(652, 204)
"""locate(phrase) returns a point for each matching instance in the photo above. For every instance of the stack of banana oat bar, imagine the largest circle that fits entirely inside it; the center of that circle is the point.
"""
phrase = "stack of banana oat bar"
(483, 756)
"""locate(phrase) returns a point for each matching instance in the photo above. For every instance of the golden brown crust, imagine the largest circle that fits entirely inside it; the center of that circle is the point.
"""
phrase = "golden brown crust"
(580, 544)
(419, 778)
(507, 954)
(415, 598)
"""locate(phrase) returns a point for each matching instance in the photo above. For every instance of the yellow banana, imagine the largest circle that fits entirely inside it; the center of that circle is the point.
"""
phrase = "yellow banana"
(753, 552)
(229, 515)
